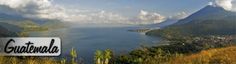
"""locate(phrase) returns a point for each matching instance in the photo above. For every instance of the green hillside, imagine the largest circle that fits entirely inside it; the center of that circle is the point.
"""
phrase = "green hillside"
(207, 21)
(206, 27)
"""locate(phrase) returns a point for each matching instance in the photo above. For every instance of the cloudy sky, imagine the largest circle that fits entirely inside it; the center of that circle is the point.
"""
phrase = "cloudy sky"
(166, 7)
(109, 11)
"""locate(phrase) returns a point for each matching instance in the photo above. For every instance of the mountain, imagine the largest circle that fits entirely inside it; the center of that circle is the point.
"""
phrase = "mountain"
(209, 12)
(9, 22)
(3, 31)
(167, 23)
(6, 32)
(12, 18)
(210, 20)
(163, 24)
(4, 16)
(7, 29)
(10, 27)
(13, 21)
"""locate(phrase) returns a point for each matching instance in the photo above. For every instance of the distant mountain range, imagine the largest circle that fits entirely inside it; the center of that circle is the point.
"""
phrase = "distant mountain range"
(210, 20)
(12, 23)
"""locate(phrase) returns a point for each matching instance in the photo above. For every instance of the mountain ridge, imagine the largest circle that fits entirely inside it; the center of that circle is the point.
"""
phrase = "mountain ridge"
(206, 13)
(210, 20)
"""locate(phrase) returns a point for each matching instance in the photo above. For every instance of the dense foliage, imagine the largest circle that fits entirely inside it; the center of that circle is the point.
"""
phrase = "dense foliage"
(175, 47)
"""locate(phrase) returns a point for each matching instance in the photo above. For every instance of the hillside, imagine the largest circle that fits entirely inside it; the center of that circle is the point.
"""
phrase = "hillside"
(8, 30)
(207, 21)
(13, 25)
(176, 49)
(207, 13)
(4, 32)
(212, 56)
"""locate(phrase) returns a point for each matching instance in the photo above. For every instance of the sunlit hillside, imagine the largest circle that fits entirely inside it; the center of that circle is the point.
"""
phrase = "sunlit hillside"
(212, 56)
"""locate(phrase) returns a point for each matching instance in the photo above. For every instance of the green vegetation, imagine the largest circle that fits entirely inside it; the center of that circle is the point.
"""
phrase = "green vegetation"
(197, 28)
(73, 54)
(196, 42)
(101, 58)
(185, 50)
(31, 26)
(164, 54)
(24, 27)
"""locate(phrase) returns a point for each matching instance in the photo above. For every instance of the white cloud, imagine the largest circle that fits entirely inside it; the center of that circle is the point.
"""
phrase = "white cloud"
(44, 9)
(180, 15)
(210, 3)
(226, 4)
(101, 17)
(36, 8)
(146, 17)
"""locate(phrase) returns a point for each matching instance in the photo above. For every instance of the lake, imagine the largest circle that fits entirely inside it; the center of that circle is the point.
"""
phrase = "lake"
(87, 40)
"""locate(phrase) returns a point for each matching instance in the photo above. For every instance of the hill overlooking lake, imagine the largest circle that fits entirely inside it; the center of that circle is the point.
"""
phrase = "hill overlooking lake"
(207, 21)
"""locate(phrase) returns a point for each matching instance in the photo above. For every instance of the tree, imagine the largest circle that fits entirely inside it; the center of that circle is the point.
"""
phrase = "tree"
(73, 55)
(107, 56)
(98, 57)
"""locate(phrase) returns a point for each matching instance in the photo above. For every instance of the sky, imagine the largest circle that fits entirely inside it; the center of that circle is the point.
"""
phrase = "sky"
(132, 7)
(109, 11)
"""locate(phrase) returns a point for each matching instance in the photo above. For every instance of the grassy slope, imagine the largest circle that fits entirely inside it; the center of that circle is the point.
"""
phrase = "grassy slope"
(212, 56)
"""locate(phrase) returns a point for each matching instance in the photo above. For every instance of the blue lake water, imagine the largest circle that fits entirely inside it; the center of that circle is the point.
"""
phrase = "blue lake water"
(87, 40)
